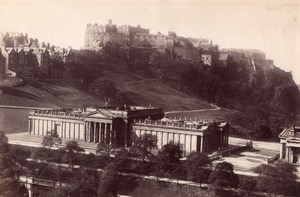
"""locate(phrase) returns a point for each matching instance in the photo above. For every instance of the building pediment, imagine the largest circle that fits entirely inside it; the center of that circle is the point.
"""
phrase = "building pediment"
(98, 115)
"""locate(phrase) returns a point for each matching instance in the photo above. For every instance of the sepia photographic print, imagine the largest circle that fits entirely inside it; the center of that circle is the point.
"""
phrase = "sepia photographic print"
(150, 98)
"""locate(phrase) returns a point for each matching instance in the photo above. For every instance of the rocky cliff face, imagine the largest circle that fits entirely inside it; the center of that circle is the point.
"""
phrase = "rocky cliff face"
(283, 92)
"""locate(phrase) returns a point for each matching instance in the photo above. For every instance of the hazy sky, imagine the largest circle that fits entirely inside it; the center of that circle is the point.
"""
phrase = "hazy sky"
(271, 26)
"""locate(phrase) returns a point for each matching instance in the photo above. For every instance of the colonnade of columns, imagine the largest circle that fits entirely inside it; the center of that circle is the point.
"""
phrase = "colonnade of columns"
(99, 132)
(189, 142)
(64, 129)
(224, 138)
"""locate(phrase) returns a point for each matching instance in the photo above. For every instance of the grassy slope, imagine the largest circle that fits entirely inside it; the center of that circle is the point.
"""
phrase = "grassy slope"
(144, 90)
(47, 94)
(140, 89)
(156, 93)
(13, 120)
(38, 94)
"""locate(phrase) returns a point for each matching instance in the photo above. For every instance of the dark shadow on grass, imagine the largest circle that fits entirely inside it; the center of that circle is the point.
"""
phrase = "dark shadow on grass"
(127, 184)
(20, 93)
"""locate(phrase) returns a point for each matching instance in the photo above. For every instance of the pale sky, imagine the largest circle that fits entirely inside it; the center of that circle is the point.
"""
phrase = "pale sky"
(270, 26)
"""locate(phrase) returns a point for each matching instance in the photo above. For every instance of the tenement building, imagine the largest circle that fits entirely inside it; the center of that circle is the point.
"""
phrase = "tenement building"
(27, 58)
(290, 144)
(123, 124)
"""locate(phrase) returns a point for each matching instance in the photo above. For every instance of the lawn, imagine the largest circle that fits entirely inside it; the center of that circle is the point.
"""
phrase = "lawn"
(13, 120)
(156, 93)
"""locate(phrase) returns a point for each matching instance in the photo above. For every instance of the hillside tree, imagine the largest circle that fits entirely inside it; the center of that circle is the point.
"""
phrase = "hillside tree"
(108, 186)
(8, 169)
(170, 156)
(143, 145)
(51, 139)
(196, 165)
(72, 148)
(279, 178)
(223, 176)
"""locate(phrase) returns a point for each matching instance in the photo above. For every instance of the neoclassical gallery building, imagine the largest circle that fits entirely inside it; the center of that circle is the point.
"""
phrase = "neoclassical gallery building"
(121, 124)
(290, 144)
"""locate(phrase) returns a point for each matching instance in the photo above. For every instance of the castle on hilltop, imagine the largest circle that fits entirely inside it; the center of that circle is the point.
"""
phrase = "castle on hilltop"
(196, 50)
(21, 56)
(126, 36)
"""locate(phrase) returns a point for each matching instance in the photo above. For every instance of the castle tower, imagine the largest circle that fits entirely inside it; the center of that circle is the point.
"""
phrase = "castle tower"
(109, 22)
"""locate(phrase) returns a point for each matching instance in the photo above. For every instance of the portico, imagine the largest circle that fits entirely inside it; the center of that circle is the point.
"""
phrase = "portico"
(290, 144)
(97, 132)
(96, 125)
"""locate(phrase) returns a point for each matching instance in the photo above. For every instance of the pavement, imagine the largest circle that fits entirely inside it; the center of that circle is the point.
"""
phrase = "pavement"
(274, 146)
(25, 139)
(215, 108)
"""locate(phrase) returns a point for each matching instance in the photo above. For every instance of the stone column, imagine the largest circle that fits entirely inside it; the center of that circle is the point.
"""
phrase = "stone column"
(29, 189)
(291, 155)
(95, 132)
(65, 131)
(74, 130)
(167, 137)
(29, 126)
(89, 131)
(47, 129)
(85, 131)
(201, 144)
(287, 154)
(105, 133)
(126, 133)
(162, 138)
(204, 144)
(38, 126)
(42, 127)
(191, 142)
(281, 151)
(69, 130)
(101, 132)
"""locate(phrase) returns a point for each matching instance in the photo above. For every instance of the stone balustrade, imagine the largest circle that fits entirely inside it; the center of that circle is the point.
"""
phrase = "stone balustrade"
(174, 124)
(57, 113)
(167, 124)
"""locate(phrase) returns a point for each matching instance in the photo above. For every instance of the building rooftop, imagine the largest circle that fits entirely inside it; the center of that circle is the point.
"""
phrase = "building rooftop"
(187, 124)
(94, 112)
(293, 131)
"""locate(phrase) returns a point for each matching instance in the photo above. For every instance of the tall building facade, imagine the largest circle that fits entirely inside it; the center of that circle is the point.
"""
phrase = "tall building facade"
(26, 58)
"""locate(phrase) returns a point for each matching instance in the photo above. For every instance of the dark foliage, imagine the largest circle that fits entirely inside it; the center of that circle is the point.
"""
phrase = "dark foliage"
(223, 176)
(279, 178)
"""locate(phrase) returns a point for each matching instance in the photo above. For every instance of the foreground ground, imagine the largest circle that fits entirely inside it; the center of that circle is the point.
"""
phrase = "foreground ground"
(243, 162)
